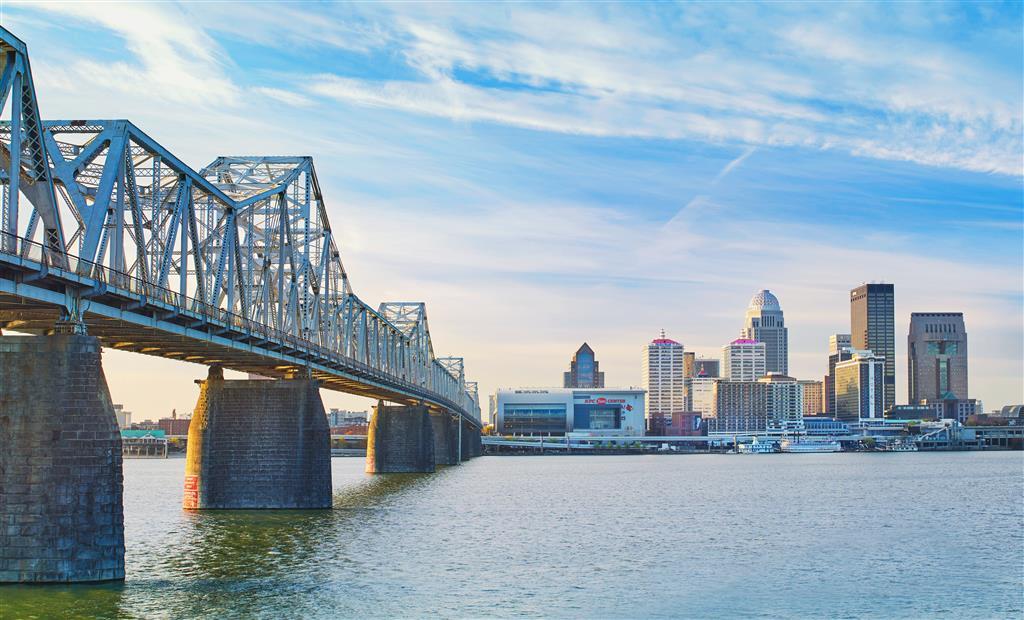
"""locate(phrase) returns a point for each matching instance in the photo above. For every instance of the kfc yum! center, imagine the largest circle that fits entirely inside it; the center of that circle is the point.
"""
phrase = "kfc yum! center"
(557, 411)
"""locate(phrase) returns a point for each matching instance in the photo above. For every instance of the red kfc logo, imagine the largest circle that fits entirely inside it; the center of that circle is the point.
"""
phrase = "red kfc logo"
(601, 401)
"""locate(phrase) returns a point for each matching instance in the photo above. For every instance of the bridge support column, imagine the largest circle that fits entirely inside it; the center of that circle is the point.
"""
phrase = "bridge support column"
(258, 444)
(61, 512)
(400, 440)
(446, 447)
(471, 446)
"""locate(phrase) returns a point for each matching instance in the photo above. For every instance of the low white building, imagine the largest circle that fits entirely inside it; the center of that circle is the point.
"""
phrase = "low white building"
(557, 411)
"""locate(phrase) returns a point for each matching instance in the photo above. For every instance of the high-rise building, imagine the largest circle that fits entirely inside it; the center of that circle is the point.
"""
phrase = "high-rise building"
(813, 396)
(785, 404)
(860, 390)
(707, 367)
(663, 378)
(873, 328)
(740, 407)
(838, 351)
(701, 395)
(583, 370)
(743, 360)
(688, 359)
(764, 323)
(936, 356)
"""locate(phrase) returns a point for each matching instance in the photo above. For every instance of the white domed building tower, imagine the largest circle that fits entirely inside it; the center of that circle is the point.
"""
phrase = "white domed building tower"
(766, 324)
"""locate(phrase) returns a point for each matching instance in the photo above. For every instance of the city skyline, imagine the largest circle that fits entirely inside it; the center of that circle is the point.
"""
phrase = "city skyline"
(547, 209)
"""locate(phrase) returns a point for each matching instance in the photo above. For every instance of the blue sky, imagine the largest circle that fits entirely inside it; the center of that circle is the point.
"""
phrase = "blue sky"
(547, 174)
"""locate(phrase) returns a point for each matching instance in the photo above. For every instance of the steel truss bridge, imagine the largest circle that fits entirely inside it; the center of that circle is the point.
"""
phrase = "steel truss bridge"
(104, 230)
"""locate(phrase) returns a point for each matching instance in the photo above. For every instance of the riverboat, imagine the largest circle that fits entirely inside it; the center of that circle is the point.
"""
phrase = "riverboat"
(900, 446)
(757, 447)
(813, 445)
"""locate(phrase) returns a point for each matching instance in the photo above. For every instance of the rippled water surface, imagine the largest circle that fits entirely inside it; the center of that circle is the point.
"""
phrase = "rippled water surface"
(829, 535)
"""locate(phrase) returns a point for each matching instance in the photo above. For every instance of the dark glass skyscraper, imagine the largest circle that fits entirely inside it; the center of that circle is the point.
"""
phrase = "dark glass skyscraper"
(583, 370)
(873, 327)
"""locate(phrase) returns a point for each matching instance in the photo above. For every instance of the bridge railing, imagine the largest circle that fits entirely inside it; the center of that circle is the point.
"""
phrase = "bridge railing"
(36, 252)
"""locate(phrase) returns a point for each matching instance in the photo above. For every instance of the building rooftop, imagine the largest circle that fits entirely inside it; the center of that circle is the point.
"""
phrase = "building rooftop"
(764, 300)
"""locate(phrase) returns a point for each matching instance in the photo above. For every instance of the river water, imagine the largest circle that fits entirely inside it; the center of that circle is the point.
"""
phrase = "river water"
(803, 535)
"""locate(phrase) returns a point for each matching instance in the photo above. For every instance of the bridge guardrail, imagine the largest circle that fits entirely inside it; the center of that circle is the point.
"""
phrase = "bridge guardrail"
(36, 252)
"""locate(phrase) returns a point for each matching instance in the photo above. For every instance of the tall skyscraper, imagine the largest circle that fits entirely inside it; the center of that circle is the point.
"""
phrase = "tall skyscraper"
(688, 359)
(860, 389)
(936, 357)
(873, 328)
(838, 351)
(583, 370)
(764, 323)
(743, 359)
(663, 378)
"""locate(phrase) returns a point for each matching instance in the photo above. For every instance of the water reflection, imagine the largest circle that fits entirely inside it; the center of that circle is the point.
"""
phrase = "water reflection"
(242, 544)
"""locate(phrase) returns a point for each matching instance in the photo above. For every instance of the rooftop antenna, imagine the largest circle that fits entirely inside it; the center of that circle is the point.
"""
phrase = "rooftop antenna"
(663, 332)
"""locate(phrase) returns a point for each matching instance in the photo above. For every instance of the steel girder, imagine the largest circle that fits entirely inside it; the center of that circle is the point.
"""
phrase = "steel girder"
(246, 239)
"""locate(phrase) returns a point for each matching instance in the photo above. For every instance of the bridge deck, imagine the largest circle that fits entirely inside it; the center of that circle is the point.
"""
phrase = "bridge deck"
(32, 295)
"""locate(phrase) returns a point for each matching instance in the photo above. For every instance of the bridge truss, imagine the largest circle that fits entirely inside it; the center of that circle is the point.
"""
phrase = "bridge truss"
(104, 229)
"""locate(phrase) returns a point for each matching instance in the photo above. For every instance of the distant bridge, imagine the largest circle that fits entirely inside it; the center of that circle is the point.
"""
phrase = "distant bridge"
(104, 231)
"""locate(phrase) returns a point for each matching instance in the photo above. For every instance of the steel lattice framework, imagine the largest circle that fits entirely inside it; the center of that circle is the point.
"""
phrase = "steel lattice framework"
(103, 228)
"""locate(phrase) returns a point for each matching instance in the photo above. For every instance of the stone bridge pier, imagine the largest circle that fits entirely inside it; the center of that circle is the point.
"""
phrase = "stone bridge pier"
(415, 439)
(258, 444)
(61, 514)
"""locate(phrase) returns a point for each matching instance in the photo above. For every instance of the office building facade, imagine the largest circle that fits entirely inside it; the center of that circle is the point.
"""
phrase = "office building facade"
(785, 401)
(873, 328)
(584, 370)
(701, 395)
(741, 407)
(743, 359)
(765, 323)
(936, 357)
(860, 387)
(812, 393)
(663, 377)
(838, 351)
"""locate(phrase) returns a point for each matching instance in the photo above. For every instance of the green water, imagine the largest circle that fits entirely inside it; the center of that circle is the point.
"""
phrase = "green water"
(816, 535)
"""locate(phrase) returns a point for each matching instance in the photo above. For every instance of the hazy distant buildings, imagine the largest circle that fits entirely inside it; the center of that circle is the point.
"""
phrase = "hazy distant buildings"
(764, 323)
(859, 385)
(124, 418)
(785, 403)
(838, 351)
(740, 407)
(663, 377)
(583, 370)
(872, 328)
(812, 393)
(936, 357)
(743, 359)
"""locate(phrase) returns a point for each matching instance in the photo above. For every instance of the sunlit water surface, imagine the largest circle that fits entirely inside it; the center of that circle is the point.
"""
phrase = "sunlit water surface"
(829, 535)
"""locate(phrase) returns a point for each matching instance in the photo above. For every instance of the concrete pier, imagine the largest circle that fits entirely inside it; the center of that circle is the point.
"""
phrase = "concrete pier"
(446, 438)
(258, 444)
(400, 440)
(61, 512)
